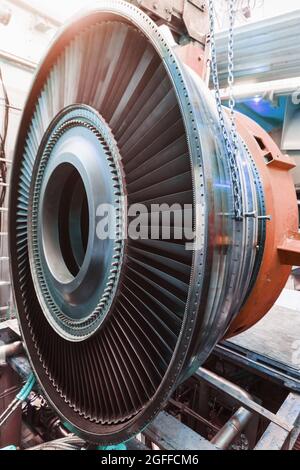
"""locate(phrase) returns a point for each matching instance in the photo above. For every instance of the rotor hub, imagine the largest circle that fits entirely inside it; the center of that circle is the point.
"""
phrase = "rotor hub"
(77, 179)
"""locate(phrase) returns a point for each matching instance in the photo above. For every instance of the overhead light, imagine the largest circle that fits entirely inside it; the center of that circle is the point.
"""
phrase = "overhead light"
(257, 99)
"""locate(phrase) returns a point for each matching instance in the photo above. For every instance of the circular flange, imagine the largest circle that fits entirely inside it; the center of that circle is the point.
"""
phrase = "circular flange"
(77, 176)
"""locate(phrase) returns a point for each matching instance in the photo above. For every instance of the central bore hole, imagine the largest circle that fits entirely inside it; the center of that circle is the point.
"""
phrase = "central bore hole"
(67, 218)
(73, 222)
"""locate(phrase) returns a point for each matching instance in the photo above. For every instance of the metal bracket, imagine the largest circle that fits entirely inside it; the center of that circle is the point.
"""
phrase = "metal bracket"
(289, 251)
(185, 17)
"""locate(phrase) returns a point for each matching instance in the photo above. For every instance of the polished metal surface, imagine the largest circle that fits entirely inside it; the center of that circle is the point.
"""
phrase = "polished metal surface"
(109, 374)
(232, 429)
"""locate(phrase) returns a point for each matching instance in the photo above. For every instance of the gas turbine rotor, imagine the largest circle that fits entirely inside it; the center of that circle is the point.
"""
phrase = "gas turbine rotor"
(113, 326)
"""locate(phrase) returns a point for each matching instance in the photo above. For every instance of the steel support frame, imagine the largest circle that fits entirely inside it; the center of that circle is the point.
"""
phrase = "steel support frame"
(224, 386)
(280, 439)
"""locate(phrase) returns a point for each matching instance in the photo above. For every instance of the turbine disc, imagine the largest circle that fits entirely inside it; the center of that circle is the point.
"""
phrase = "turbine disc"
(111, 329)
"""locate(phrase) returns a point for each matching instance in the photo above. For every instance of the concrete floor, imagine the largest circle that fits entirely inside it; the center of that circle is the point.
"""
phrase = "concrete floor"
(277, 336)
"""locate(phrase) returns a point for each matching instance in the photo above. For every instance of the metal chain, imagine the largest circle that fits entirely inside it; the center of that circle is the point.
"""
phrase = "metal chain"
(230, 138)
(231, 68)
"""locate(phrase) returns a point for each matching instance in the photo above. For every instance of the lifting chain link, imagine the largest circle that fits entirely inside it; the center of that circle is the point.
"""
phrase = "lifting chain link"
(230, 138)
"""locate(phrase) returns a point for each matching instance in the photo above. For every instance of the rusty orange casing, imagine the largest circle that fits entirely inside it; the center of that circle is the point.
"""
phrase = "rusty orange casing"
(282, 245)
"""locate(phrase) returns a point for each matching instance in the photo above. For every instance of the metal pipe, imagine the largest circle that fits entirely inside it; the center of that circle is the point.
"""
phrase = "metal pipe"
(9, 350)
(3, 104)
(220, 383)
(62, 432)
(237, 423)
(185, 409)
(232, 429)
(18, 61)
(263, 89)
